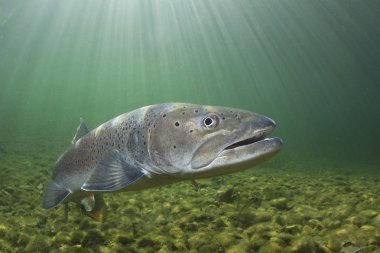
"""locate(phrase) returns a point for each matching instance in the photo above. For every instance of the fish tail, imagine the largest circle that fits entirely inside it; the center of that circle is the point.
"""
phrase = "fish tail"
(54, 194)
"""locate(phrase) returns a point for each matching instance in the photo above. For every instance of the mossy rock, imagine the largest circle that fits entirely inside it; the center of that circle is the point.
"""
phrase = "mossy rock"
(5, 246)
(376, 221)
(226, 195)
(93, 239)
(256, 242)
(3, 230)
(369, 213)
(61, 238)
(76, 237)
(74, 249)
(225, 239)
(189, 226)
(293, 229)
(125, 239)
(357, 220)
(244, 219)
(263, 216)
(280, 203)
(148, 242)
(305, 244)
(271, 247)
(86, 224)
(211, 247)
(199, 239)
(333, 243)
(37, 244)
(23, 240)
(179, 245)
(238, 248)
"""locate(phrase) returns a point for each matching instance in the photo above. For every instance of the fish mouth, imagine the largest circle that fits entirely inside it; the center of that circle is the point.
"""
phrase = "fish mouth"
(258, 135)
(256, 138)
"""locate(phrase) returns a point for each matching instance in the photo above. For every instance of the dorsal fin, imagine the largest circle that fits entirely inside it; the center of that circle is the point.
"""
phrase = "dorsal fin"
(82, 130)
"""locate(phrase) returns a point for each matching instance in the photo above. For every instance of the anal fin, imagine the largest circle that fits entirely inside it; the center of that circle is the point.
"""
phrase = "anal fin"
(54, 194)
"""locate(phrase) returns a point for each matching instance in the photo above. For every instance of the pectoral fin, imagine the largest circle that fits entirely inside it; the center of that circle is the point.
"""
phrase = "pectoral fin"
(113, 173)
(94, 207)
(88, 202)
(99, 211)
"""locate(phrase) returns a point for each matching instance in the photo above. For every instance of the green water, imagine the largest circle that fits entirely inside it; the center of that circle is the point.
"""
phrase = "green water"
(312, 66)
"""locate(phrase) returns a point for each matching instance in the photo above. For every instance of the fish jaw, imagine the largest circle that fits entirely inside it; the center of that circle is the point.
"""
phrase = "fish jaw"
(241, 157)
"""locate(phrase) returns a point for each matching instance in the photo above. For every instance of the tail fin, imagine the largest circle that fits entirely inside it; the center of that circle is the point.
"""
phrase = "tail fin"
(54, 194)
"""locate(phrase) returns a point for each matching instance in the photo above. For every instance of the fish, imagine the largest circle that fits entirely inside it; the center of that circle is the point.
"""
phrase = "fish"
(154, 146)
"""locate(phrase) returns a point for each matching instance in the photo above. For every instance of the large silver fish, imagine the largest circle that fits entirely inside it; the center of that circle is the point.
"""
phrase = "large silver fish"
(157, 145)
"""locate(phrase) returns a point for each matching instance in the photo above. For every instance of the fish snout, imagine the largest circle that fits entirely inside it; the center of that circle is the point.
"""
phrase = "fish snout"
(263, 125)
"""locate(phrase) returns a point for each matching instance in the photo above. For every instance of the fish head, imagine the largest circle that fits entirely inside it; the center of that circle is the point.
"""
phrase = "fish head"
(194, 141)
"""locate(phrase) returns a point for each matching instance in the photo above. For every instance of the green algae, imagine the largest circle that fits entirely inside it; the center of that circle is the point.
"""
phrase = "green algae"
(38, 243)
(241, 213)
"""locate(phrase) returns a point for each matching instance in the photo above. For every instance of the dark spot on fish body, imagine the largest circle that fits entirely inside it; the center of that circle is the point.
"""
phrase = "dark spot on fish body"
(176, 124)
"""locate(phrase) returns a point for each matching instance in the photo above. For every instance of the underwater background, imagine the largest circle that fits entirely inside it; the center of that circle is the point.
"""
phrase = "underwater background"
(312, 66)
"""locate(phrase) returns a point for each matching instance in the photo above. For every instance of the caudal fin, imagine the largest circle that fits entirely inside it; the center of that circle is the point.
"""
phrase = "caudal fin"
(54, 194)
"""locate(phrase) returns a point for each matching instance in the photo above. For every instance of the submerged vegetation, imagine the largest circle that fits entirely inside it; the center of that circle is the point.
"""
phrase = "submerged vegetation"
(260, 210)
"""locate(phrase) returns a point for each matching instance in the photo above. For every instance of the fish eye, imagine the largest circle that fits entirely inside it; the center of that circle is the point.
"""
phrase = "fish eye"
(210, 121)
